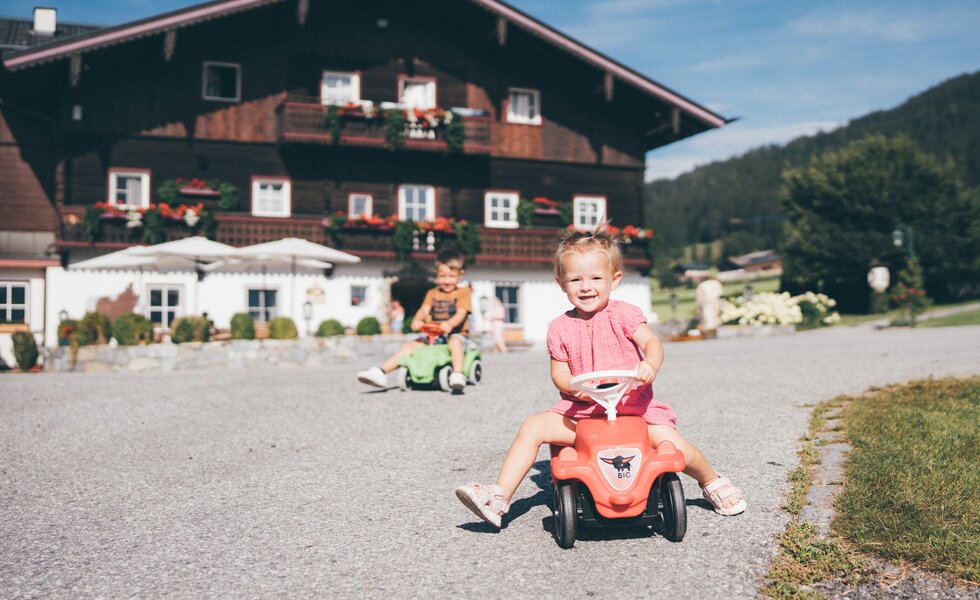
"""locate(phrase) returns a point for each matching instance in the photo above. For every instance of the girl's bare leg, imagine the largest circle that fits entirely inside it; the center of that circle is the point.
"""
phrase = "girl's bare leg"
(542, 428)
(697, 465)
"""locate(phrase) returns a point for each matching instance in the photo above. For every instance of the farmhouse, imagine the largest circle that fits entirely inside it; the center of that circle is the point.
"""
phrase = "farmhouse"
(383, 129)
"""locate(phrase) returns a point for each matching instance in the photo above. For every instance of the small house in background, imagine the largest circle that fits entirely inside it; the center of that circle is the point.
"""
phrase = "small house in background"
(762, 263)
(384, 129)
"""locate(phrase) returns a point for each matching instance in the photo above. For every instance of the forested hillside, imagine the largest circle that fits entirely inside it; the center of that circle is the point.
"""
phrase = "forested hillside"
(739, 200)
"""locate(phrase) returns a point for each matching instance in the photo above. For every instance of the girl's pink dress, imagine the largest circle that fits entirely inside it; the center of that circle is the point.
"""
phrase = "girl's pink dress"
(598, 344)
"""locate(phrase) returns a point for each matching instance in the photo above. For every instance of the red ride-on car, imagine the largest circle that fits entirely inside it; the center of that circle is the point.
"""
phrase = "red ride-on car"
(612, 476)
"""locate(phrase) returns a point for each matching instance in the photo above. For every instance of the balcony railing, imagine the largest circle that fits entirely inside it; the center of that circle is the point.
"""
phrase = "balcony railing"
(303, 119)
(497, 246)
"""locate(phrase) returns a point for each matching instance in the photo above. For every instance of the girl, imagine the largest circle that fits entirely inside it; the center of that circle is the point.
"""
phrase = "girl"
(597, 334)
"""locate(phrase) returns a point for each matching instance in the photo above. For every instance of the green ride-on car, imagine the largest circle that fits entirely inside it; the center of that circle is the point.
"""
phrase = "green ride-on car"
(431, 365)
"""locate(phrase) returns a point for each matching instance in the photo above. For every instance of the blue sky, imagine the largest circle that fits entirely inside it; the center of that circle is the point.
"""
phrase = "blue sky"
(783, 68)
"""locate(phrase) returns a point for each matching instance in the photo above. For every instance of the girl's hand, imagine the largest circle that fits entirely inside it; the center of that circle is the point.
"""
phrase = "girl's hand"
(645, 372)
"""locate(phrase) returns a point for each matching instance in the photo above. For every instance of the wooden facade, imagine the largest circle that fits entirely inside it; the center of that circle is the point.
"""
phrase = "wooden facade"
(137, 104)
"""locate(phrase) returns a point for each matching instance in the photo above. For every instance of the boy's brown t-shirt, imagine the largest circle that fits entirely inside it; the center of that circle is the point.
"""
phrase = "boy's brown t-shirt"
(444, 305)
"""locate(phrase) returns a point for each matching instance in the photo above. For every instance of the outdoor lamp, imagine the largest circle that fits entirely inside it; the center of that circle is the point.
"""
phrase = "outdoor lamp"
(898, 238)
(307, 314)
(484, 304)
(63, 315)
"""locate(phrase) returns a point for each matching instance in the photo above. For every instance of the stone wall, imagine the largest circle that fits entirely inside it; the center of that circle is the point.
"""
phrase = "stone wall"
(235, 354)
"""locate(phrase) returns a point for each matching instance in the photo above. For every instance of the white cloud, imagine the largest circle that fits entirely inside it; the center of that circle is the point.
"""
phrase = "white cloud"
(732, 140)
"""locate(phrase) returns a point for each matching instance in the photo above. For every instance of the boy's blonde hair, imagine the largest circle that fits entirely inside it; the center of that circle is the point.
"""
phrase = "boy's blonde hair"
(600, 239)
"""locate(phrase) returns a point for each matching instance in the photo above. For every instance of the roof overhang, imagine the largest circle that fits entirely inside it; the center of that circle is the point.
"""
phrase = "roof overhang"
(196, 14)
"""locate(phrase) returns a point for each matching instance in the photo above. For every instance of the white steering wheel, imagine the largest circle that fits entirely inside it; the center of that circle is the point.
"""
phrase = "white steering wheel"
(606, 388)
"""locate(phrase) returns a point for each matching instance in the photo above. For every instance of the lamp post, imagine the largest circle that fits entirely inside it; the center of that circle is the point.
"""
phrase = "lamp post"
(908, 279)
(898, 238)
(307, 315)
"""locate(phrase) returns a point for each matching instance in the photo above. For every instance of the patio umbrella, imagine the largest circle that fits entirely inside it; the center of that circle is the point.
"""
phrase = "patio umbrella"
(294, 252)
(198, 249)
(129, 260)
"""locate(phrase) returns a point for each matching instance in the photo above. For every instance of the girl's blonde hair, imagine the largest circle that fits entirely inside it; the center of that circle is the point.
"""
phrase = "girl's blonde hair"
(600, 239)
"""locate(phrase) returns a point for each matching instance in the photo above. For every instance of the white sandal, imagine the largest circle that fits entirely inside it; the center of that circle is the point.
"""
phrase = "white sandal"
(718, 490)
(486, 501)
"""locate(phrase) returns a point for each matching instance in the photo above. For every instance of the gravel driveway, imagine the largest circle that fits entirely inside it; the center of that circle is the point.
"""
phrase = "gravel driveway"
(298, 483)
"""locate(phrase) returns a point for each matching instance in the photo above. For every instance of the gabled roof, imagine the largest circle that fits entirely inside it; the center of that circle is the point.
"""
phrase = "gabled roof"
(17, 34)
(63, 48)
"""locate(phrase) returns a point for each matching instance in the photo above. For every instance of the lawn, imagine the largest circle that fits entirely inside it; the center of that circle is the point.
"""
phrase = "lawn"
(660, 298)
(912, 490)
(970, 317)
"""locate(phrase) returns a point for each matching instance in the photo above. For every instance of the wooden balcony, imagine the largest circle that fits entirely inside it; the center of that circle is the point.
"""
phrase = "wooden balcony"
(497, 246)
(302, 119)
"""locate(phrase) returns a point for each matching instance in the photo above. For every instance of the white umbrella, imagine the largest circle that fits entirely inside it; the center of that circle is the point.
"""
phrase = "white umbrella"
(293, 251)
(129, 260)
(196, 248)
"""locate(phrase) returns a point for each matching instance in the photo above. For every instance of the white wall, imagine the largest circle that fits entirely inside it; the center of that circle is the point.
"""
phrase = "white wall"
(35, 308)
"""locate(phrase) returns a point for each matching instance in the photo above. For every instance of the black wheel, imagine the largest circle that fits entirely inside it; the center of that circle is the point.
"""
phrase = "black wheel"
(673, 509)
(565, 514)
(443, 377)
(404, 379)
(476, 372)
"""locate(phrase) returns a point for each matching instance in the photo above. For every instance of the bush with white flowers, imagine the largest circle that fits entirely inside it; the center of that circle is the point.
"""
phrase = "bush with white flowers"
(771, 308)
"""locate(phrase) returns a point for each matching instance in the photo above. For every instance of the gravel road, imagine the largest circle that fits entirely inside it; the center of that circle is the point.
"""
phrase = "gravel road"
(299, 483)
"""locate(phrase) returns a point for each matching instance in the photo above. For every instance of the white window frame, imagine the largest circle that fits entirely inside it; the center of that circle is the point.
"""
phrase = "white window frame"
(492, 214)
(273, 312)
(355, 87)
(164, 308)
(287, 200)
(534, 106)
(430, 84)
(204, 81)
(368, 205)
(8, 306)
(582, 219)
(508, 306)
(144, 177)
(429, 207)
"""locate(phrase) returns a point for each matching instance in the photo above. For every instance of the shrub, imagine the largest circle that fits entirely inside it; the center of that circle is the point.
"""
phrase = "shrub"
(329, 328)
(66, 329)
(94, 328)
(368, 326)
(189, 329)
(131, 329)
(242, 327)
(25, 350)
(282, 328)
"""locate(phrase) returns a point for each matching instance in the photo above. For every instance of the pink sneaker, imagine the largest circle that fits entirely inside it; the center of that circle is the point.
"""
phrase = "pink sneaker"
(486, 501)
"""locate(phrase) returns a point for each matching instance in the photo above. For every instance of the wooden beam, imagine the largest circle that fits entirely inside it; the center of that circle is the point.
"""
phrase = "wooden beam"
(169, 44)
(609, 83)
(302, 10)
(501, 31)
(75, 69)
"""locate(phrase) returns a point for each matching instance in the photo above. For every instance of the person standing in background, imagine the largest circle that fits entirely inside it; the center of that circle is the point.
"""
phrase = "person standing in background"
(497, 316)
(396, 316)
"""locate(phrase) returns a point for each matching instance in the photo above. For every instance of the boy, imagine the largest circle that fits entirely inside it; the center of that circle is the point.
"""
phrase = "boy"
(446, 304)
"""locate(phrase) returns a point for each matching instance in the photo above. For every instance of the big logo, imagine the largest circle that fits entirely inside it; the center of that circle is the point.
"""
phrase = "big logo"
(619, 466)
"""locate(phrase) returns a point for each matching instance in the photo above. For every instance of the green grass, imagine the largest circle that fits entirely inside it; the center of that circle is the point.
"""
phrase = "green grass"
(970, 317)
(912, 491)
(660, 298)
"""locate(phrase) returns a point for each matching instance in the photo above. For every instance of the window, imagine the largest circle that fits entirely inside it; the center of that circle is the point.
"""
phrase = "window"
(357, 294)
(340, 88)
(524, 106)
(589, 211)
(13, 302)
(500, 209)
(164, 304)
(271, 197)
(417, 92)
(416, 203)
(262, 304)
(360, 205)
(507, 294)
(129, 187)
(222, 81)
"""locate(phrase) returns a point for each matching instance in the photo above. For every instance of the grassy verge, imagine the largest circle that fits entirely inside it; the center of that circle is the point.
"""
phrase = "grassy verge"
(804, 558)
(913, 482)
(911, 492)
(970, 317)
